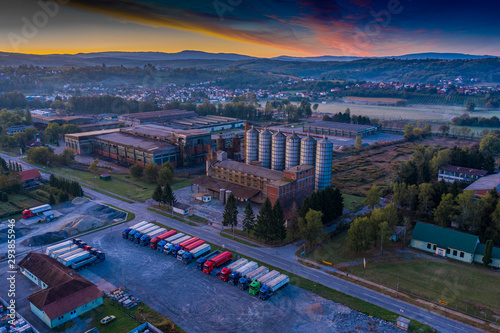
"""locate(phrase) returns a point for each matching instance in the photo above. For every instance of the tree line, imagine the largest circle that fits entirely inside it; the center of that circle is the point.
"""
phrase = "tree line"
(347, 118)
(466, 120)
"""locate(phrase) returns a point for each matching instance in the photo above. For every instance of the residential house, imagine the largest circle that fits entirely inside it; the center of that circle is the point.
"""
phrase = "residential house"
(495, 255)
(30, 177)
(444, 242)
(451, 173)
(64, 294)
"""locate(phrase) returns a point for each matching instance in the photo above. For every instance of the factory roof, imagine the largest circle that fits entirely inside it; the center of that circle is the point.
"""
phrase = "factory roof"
(299, 168)
(340, 126)
(250, 169)
(467, 171)
(240, 192)
(159, 114)
(161, 132)
(92, 133)
(485, 183)
(136, 141)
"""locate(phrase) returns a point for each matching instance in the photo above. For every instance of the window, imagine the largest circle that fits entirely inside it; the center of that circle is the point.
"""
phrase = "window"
(454, 252)
(462, 254)
(434, 247)
(447, 251)
(428, 245)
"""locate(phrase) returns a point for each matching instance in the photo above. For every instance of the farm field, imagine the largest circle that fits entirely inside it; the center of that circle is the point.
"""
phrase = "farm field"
(412, 112)
(16, 203)
(374, 99)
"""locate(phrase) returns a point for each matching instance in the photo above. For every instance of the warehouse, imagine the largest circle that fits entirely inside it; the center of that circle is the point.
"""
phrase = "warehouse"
(340, 129)
(144, 144)
(207, 123)
(161, 116)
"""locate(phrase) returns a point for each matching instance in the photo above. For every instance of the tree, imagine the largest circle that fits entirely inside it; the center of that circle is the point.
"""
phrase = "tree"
(358, 144)
(151, 173)
(470, 106)
(63, 196)
(359, 239)
(444, 212)
(67, 156)
(169, 196)
(400, 194)
(94, 166)
(166, 174)
(465, 202)
(385, 233)
(158, 194)
(69, 128)
(293, 221)
(136, 171)
(5, 197)
(311, 227)
(27, 117)
(249, 219)
(408, 133)
(230, 215)
(315, 106)
(487, 252)
(425, 196)
(52, 131)
(262, 227)
(490, 144)
(278, 229)
(444, 129)
(373, 198)
(52, 200)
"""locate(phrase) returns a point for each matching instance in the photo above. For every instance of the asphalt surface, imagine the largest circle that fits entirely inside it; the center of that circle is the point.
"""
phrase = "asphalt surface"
(285, 262)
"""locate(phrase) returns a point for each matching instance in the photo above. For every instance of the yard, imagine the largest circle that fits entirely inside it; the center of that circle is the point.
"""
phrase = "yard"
(16, 203)
(353, 202)
(464, 286)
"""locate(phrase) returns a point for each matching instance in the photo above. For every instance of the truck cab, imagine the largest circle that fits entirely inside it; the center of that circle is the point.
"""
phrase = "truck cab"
(234, 277)
(200, 262)
(208, 267)
(180, 253)
(160, 245)
(243, 283)
(254, 288)
(176, 249)
(125, 233)
(264, 293)
(168, 248)
(225, 274)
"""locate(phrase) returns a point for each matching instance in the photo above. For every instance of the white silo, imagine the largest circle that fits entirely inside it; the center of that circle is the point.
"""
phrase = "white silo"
(265, 148)
(308, 151)
(324, 159)
(252, 146)
(292, 151)
(278, 151)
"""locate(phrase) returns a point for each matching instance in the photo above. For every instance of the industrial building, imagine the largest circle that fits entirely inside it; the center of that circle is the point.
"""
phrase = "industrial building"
(255, 183)
(144, 144)
(452, 173)
(279, 152)
(64, 294)
(340, 129)
(182, 119)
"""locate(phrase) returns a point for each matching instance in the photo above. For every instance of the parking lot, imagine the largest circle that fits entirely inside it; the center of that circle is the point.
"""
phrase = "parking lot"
(201, 303)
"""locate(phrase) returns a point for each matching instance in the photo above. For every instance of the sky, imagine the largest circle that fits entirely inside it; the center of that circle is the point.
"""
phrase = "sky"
(264, 28)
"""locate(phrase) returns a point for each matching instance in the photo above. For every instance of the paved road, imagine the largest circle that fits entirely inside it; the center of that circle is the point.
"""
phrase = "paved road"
(286, 262)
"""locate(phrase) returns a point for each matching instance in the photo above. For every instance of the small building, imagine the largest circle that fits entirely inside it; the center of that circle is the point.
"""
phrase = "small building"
(451, 173)
(105, 177)
(17, 128)
(403, 323)
(30, 177)
(181, 208)
(485, 184)
(64, 294)
(203, 197)
(397, 233)
(340, 129)
(495, 255)
(444, 242)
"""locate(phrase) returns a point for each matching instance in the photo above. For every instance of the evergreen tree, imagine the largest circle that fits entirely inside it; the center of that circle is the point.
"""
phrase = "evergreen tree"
(262, 227)
(3, 165)
(487, 252)
(158, 194)
(311, 226)
(278, 229)
(5, 197)
(293, 221)
(249, 220)
(27, 117)
(169, 196)
(52, 200)
(230, 215)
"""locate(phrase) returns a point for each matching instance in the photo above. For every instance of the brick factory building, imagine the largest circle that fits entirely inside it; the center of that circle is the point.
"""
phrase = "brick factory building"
(161, 116)
(340, 129)
(144, 144)
(255, 183)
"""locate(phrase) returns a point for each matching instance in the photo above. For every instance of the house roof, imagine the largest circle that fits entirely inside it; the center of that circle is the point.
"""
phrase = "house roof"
(467, 171)
(29, 174)
(445, 238)
(485, 183)
(66, 290)
(495, 253)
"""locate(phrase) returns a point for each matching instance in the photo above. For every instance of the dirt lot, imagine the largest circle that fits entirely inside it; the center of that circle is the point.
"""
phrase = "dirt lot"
(355, 174)
(198, 302)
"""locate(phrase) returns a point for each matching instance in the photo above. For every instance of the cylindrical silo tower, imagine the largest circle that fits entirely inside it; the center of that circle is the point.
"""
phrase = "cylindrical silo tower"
(292, 151)
(265, 145)
(252, 146)
(324, 157)
(278, 151)
(308, 151)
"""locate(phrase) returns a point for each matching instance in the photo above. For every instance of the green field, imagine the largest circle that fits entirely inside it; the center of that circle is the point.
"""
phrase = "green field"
(353, 202)
(120, 184)
(16, 203)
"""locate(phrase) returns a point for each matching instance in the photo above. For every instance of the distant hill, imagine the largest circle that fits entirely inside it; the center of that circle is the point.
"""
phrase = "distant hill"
(443, 56)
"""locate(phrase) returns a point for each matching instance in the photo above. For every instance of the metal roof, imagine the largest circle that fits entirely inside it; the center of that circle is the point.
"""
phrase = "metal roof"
(445, 238)
(339, 126)
(485, 183)
(250, 169)
(495, 253)
(467, 171)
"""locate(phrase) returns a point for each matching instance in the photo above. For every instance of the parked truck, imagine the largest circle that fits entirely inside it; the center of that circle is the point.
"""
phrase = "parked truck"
(135, 226)
(257, 284)
(236, 274)
(146, 238)
(217, 261)
(138, 235)
(244, 282)
(75, 258)
(188, 257)
(131, 234)
(69, 254)
(64, 250)
(189, 247)
(179, 247)
(154, 242)
(34, 211)
(173, 245)
(226, 271)
(58, 246)
(94, 258)
(202, 260)
(271, 287)
(163, 245)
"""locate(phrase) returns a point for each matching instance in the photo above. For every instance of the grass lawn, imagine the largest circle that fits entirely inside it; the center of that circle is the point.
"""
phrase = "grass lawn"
(16, 203)
(251, 236)
(353, 202)
(225, 234)
(180, 219)
(335, 251)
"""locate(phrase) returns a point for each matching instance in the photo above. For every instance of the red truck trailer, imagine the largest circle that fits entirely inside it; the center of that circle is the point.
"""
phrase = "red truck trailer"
(217, 261)
(154, 242)
(187, 242)
(194, 245)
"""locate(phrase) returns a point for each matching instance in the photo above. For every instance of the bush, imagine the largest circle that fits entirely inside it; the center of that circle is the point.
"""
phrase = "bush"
(5, 197)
